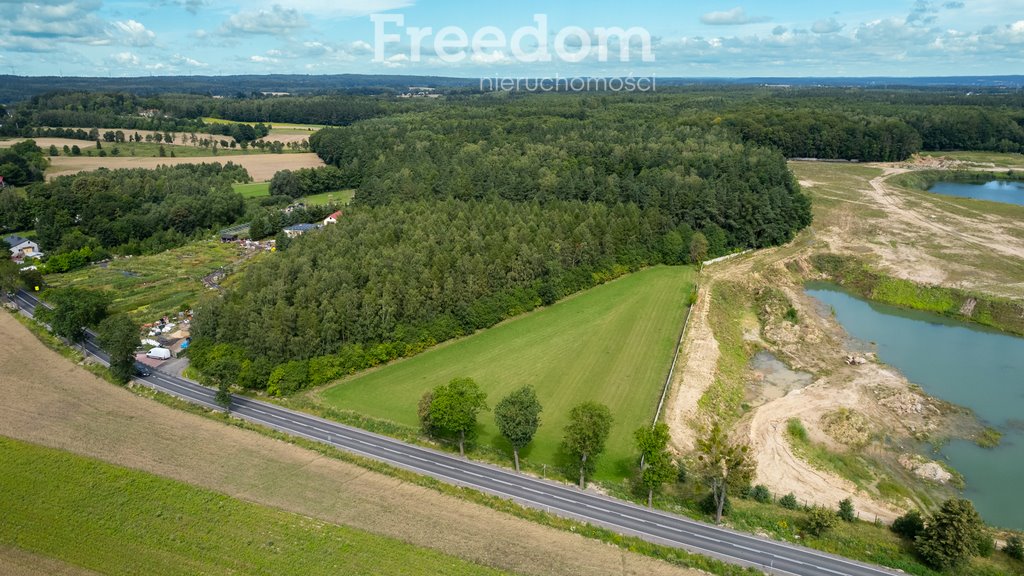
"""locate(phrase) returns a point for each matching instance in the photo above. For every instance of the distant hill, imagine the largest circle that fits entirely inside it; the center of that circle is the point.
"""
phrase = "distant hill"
(15, 88)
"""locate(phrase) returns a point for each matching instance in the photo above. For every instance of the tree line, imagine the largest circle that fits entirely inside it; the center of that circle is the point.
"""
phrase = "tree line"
(22, 164)
(134, 211)
(389, 281)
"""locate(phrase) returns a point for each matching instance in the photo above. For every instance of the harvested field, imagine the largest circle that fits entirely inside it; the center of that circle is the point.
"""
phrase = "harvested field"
(260, 166)
(49, 401)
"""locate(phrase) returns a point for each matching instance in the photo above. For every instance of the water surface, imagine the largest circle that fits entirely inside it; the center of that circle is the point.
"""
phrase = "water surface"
(1005, 191)
(973, 367)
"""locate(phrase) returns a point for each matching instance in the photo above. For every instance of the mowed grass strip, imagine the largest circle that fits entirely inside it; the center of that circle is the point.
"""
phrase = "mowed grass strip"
(612, 344)
(120, 521)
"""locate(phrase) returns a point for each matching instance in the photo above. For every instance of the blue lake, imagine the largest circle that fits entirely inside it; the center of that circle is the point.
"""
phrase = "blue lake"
(973, 367)
(1005, 191)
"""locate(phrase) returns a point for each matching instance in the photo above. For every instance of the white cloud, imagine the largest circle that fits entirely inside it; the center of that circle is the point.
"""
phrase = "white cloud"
(132, 33)
(186, 61)
(829, 26)
(256, 58)
(733, 17)
(123, 59)
(276, 21)
(345, 8)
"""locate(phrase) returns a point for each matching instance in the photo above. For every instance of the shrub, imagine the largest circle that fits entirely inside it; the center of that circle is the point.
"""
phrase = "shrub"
(1014, 548)
(986, 545)
(846, 511)
(709, 507)
(760, 493)
(820, 520)
(288, 377)
(909, 525)
(789, 502)
(952, 536)
(681, 473)
(796, 429)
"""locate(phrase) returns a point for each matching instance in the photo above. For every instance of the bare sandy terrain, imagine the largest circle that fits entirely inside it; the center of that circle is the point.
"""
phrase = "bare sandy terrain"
(50, 401)
(914, 235)
(261, 167)
(697, 365)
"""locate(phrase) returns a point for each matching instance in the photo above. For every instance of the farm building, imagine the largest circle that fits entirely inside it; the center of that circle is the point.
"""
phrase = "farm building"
(333, 218)
(299, 229)
(22, 248)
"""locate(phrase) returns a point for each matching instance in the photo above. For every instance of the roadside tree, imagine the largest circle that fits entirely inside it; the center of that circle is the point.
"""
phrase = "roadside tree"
(586, 434)
(119, 336)
(518, 417)
(656, 468)
(454, 409)
(722, 464)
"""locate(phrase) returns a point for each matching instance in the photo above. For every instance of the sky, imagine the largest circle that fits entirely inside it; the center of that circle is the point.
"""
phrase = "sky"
(731, 38)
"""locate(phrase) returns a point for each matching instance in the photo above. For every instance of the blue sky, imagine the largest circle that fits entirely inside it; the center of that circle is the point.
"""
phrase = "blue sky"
(731, 38)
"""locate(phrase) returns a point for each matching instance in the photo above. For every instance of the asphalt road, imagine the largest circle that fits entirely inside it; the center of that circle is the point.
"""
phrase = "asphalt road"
(658, 527)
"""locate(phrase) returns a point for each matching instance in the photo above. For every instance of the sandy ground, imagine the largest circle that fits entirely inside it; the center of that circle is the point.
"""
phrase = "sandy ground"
(261, 167)
(912, 236)
(17, 562)
(50, 401)
(45, 143)
(697, 365)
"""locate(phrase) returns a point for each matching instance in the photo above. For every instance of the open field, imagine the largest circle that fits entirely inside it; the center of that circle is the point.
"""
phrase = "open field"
(337, 197)
(261, 167)
(258, 189)
(117, 520)
(612, 344)
(283, 132)
(148, 287)
(253, 190)
(52, 402)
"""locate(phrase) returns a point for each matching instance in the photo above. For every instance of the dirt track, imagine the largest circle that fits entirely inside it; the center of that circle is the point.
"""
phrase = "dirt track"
(261, 167)
(50, 401)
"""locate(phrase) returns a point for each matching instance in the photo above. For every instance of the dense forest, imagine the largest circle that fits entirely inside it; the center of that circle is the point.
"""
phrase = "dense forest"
(134, 211)
(22, 163)
(805, 122)
(388, 281)
(568, 149)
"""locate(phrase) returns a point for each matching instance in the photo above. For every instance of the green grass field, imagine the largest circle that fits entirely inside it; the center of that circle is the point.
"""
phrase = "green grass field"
(147, 287)
(259, 189)
(612, 344)
(116, 520)
(254, 190)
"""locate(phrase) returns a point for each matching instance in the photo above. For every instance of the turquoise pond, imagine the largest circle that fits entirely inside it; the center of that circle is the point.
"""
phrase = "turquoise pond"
(973, 367)
(1005, 191)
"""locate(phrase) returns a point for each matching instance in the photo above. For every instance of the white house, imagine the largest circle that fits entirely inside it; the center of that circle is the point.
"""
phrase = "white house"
(22, 248)
(333, 218)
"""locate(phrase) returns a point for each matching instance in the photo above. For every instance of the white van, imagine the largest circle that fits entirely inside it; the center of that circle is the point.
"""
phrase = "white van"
(159, 354)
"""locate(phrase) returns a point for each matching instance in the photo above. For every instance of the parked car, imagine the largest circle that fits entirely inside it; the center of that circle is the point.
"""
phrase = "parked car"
(142, 370)
(159, 354)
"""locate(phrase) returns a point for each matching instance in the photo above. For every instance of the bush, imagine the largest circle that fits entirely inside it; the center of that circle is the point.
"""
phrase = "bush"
(288, 377)
(951, 537)
(909, 525)
(681, 474)
(789, 502)
(846, 511)
(986, 545)
(820, 520)
(796, 429)
(709, 507)
(1014, 548)
(760, 493)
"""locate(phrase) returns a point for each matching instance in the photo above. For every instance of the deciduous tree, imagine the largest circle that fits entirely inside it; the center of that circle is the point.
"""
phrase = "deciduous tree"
(454, 409)
(722, 464)
(518, 417)
(119, 336)
(656, 466)
(586, 435)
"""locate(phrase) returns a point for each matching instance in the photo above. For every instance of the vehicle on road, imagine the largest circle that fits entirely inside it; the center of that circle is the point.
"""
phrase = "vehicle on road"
(141, 370)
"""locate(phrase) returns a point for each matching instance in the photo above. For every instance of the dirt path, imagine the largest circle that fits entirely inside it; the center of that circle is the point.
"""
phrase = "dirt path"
(783, 471)
(50, 401)
(261, 167)
(695, 373)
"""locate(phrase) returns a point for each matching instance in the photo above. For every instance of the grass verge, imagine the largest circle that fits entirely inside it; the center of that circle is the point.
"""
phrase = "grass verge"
(117, 520)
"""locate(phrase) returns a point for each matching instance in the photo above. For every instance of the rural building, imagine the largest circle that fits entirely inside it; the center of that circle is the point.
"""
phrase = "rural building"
(333, 218)
(294, 207)
(22, 248)
(299, 229)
